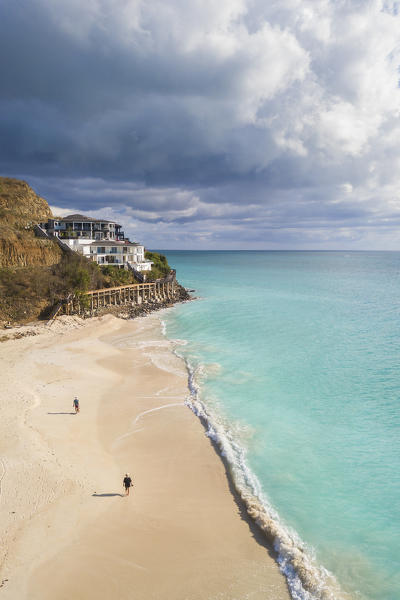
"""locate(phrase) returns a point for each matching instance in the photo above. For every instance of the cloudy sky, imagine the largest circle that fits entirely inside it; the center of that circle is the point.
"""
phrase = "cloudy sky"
(209, 124)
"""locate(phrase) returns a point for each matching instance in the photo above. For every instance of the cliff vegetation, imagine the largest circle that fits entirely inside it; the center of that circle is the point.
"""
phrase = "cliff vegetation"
(160, 266)
(35, 273)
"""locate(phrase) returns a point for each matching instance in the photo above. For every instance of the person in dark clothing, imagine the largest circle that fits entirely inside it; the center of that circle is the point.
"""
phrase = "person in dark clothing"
(127, 483)
(75, 404)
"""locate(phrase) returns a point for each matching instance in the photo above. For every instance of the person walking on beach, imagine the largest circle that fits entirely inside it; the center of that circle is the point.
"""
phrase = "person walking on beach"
(127, 483)
(75, 404)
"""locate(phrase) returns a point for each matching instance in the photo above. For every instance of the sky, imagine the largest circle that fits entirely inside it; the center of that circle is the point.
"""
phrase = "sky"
(204, 124)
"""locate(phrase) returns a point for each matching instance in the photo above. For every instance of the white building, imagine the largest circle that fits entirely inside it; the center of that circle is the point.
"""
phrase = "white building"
(82, 227)
(99, 240)
(121, 254)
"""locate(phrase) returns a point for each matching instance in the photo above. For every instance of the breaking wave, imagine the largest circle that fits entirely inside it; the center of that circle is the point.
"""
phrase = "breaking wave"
(306, 579)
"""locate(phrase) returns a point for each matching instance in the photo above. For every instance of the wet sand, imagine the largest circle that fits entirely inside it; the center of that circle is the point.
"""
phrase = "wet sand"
(67, 529)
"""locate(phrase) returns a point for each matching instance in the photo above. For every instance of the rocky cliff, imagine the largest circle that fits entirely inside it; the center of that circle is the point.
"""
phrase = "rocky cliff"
(34, 273)
(20, 208)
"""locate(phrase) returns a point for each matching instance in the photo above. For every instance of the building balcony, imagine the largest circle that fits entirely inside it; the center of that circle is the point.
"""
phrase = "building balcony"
(73, 235)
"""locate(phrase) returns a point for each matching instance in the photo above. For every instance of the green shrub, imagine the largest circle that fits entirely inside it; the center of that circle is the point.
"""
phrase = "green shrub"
(160, 266)
(27, 292)
(114, 276)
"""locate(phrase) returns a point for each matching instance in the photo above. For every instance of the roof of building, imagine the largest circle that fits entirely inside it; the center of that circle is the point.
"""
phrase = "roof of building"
(114, 243)
(83, 219)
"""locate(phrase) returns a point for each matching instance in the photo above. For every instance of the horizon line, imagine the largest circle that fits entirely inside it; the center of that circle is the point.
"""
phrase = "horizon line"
(259, 250)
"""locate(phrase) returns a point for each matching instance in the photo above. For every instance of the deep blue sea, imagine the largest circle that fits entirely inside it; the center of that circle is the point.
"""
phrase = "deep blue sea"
(294, 361)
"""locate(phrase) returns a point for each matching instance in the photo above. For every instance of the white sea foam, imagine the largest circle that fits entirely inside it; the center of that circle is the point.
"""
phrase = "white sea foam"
(140, 416)
(306, 579)
(166, 362)
(179, 342)
(163, 327)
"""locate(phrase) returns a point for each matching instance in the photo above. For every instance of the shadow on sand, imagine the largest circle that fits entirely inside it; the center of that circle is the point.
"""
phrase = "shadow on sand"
(61, 413)
(107, 495)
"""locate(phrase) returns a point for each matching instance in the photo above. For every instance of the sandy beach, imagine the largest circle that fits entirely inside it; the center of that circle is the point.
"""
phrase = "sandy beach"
(66, 528)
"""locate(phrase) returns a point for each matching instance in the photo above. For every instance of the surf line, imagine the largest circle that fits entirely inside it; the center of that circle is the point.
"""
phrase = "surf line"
(142, 414)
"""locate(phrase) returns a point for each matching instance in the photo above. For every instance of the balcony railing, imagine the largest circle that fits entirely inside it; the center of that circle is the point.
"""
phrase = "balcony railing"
(70, 234)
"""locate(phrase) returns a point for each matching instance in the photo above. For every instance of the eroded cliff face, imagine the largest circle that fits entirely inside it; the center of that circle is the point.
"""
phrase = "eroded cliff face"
(20, 209)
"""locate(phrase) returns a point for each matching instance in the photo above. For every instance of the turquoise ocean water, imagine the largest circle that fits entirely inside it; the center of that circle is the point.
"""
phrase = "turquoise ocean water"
(294, 361)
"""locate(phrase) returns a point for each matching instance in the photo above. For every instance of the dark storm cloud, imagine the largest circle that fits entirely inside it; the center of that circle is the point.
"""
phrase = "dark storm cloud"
(208, 124)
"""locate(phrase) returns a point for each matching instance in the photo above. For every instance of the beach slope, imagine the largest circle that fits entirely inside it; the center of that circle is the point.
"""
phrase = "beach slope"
(67, 529)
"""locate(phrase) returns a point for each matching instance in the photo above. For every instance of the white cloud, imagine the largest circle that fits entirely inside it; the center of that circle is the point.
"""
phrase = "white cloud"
(203, 111)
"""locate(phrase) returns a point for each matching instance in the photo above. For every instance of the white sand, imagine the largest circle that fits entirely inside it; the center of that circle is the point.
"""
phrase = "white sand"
(66, 531)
